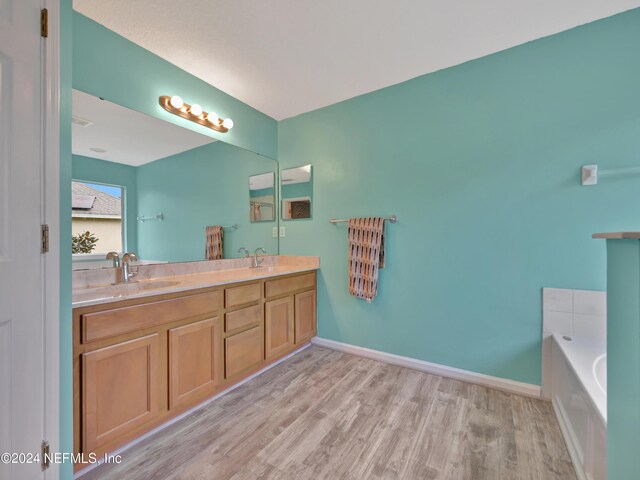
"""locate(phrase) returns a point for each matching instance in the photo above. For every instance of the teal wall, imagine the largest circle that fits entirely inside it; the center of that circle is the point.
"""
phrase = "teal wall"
(66, 369)
(481, 163)
(208, 185)
(623, 359)
(93, 170)
(109, 66)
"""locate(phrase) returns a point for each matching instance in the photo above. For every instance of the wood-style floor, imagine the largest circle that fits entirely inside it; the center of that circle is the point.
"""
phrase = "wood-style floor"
(325, 414)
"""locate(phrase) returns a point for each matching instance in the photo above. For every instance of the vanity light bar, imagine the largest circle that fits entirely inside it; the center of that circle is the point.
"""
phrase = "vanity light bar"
(195, 113)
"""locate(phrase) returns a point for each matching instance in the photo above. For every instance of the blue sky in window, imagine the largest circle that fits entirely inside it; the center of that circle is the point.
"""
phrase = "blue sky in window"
(114, 191)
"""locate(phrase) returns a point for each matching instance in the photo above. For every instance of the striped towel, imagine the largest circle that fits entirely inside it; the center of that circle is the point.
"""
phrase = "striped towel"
(366, 256)
(213, 248)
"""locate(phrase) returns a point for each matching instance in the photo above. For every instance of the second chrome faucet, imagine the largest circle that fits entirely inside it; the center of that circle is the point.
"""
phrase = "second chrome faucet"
(122, 266)
(256, 261)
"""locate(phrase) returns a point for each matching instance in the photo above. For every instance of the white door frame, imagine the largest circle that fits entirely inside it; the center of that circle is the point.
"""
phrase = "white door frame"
(51, 214)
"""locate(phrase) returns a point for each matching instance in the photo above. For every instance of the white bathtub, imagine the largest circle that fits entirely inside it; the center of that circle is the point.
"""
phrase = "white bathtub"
(578, 393)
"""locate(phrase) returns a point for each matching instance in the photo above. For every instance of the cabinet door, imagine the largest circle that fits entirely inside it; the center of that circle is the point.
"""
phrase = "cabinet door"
(120, 389)
(243, 351)
(278, 326)
(194, 361)
(305, 313)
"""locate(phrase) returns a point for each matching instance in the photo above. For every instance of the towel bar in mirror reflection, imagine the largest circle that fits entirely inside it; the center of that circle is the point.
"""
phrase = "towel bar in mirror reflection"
(159, 217)
(235, 226)
(392, 219)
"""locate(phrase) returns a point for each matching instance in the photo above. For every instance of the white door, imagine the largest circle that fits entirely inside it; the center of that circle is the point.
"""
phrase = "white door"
(21, 289)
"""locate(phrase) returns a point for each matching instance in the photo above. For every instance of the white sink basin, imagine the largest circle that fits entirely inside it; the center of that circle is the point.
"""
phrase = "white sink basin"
(145, 285)
(120, 290)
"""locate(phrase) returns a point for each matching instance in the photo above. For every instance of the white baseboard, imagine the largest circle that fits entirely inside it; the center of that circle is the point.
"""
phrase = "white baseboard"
(504, 384)
(159, 428)
(569, 439)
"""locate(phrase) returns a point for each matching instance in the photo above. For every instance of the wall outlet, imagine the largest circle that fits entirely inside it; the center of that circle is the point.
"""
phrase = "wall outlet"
(283, 232)
(275, 232)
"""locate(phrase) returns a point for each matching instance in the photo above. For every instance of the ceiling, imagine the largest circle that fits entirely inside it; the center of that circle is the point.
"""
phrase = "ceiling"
(287, 57)
(121, 135)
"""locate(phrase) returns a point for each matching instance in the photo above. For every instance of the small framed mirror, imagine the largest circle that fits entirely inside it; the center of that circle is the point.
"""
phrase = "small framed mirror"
(262, 197)
(296, 190)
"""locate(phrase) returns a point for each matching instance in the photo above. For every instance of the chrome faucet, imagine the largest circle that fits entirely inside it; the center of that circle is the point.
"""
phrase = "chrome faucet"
(127, 274)
(256, 261)
(246, 252)
(115, 257)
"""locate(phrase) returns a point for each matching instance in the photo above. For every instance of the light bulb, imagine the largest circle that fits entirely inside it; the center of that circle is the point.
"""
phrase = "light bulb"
(228, 123)
(213, 118)
(195, 109)
(176, 101)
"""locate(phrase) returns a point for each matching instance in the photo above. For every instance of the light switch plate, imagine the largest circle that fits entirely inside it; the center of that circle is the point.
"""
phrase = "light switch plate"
(283, 232)
(275, 232)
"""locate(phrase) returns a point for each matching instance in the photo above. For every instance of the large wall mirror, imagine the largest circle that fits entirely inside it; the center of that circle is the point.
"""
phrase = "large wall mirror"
(145, 185)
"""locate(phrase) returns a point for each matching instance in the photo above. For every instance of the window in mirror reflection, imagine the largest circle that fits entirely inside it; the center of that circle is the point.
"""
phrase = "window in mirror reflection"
(96, 218)
(262, 197)
(296, 189)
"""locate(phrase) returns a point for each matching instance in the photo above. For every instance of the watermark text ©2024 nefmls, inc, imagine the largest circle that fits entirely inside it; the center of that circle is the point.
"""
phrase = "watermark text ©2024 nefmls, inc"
(58, 457)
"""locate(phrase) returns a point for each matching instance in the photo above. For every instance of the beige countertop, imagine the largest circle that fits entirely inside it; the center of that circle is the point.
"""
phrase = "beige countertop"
(617, 235)
(171, 278)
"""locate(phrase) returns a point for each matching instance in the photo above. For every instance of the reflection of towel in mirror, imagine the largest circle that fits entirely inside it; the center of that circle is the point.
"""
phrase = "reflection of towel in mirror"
(366, 256)
(213, 249)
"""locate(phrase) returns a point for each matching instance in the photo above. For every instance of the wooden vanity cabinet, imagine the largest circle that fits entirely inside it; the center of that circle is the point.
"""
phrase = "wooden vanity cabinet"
(290, 313)
(194, 361)
(305, 316)
(120, 389)
(139, 362)
(279, 324)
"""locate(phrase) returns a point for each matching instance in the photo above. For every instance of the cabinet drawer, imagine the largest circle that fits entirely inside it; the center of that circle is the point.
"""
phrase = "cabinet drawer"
(242, 318)
(242, 351)
(109, 323)
(283, 286)
(242, 295)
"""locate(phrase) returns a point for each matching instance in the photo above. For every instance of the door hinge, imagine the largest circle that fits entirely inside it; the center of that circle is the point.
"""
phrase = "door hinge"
(45, 461)
(44, 232)
(44, 22)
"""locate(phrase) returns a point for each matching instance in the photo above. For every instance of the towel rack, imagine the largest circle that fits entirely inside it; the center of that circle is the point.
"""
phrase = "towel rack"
(159, 217)
(590, 173)
(392, 219)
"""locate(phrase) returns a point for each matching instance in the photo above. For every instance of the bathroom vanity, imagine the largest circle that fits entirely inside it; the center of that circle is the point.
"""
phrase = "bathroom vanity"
(146, 352)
